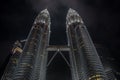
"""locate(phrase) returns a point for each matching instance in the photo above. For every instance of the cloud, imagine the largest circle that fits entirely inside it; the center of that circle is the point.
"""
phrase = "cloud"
(52, 4)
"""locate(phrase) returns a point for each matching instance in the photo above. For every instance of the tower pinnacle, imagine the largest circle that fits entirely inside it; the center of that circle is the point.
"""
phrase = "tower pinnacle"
(43, 17)
(72, 17)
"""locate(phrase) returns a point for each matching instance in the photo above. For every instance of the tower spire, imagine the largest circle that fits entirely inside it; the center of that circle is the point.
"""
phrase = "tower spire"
(72, 17)
(43, 17)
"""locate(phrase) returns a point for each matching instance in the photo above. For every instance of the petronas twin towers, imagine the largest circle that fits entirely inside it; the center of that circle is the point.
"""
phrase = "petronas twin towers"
(32, 62)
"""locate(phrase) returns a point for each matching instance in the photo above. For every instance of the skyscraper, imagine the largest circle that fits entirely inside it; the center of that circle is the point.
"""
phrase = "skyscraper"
(84, 63)
(84, 57)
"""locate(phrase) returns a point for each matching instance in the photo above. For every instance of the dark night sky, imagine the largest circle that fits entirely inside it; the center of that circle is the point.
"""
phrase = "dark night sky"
(102, 18)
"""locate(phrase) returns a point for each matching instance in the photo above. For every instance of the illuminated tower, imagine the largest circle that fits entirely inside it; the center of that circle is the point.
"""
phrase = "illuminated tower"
(86, 64)
(34, 56)
(31, 62)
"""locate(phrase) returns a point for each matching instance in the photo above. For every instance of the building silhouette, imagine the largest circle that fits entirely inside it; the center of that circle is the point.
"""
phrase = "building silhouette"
(31, 62)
